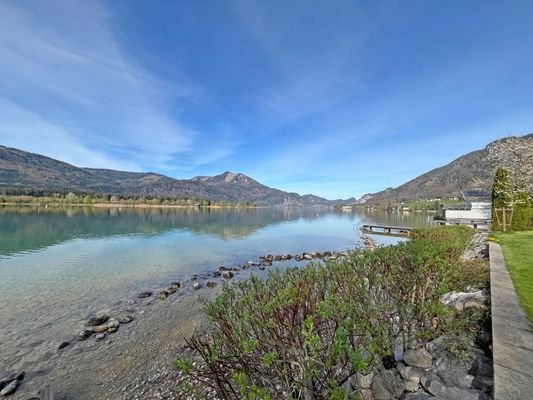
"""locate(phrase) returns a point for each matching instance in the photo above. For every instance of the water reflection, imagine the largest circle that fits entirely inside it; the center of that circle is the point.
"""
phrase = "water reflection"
(24, 229)
(407, 219)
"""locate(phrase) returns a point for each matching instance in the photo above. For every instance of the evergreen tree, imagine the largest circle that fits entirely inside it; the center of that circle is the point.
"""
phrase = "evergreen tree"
(502, 194)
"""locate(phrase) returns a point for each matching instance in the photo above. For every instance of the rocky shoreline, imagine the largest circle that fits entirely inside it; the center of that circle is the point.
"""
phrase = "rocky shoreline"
(102, 329)
(446, 367)
(101, 324)
(127, 353)
(451, 366)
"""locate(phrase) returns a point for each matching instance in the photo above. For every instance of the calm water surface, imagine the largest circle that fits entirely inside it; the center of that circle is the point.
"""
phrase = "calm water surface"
(58, 266)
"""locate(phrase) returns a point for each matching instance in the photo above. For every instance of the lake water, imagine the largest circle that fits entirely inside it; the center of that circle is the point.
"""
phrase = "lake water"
(60, 265)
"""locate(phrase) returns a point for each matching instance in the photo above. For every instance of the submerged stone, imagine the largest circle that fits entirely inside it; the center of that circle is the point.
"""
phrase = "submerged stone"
(84, 334)
(63, 345)
(125, 319)
(100, 328)
(100, 336)
(10, 388)
(227, 274)
(98, 320)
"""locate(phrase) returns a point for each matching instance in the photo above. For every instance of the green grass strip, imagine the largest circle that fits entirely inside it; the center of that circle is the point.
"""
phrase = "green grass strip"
(518, 252)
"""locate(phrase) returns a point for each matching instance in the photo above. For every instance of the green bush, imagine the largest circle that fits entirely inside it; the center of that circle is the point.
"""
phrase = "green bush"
(451, 240)
(522, 219)
(471, 273)
(305, 332)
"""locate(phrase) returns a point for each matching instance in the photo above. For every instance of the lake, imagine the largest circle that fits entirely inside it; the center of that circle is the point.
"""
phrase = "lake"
(60, 265)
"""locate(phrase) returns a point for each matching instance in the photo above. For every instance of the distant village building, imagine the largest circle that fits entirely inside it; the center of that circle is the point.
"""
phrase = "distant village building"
(481, 210)
(475, 214)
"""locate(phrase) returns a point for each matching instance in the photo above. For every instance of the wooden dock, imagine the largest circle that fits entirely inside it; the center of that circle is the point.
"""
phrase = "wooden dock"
(387, 230)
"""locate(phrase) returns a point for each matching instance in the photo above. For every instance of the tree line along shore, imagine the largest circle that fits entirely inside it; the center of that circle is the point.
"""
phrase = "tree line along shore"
(72, 199)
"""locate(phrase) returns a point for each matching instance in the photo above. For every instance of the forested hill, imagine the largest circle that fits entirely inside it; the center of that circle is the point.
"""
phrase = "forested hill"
(471, 173)
(28, 173)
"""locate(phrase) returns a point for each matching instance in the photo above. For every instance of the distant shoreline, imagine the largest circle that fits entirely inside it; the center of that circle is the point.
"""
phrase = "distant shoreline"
(122, 205)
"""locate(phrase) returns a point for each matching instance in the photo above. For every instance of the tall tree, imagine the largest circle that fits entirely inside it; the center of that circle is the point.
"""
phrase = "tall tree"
(502, 200)
(502, 194)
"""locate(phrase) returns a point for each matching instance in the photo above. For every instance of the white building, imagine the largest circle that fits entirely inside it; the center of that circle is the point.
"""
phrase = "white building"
(481, 210)
(475, 214)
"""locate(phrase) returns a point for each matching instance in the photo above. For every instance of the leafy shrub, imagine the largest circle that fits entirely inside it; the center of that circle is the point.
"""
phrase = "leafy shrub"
(471, 273)
(305, 332)
(463, 331)
(451, 240)
(522, 219)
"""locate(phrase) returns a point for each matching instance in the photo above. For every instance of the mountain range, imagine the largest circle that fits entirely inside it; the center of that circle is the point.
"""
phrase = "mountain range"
(28, 173)
(469, 174)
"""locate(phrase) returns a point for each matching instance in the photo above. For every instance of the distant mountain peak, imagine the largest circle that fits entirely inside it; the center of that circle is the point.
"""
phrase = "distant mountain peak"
(27, 173)
(227, 177)
(231, 177)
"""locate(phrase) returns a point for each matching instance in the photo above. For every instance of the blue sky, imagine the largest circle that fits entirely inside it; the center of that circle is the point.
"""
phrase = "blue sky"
(334, 98)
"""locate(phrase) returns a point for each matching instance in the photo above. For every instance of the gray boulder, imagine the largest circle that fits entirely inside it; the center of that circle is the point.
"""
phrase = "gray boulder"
(437, 346)
(418, 358)
(411, 386)
(10, 385)
(387, 385)
(364, 381)
(437, 388)
(464, 300)
(84, 334)
(98, 320)
(227, 274)
(10, 388)
(482, 366)
(100, 336)
(125, 319)
(412, 374)
(366, 394)
(419, 396)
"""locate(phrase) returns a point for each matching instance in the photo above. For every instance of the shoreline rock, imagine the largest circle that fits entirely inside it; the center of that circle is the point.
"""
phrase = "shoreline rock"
(10, 385)
(98, 320)
(99, 324)
(464, 300)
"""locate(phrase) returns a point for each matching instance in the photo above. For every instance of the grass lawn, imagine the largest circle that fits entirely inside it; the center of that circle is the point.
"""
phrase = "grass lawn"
(518, 252)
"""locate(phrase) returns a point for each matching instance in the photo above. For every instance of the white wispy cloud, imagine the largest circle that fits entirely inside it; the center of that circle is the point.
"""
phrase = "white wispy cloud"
(60, 63)
(17, 124)
(311, 47)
